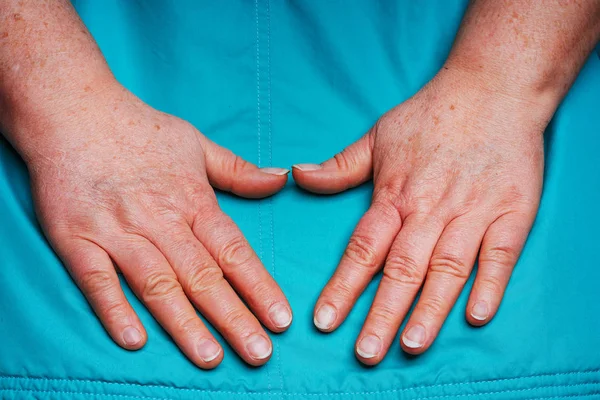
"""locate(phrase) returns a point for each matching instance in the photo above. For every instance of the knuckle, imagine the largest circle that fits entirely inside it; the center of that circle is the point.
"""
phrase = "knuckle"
(341, 161)
(390, 193)
(96, 281)
(403, 269)
(199, 194)
(159, 286)
(500, 255)
(491, 284)
(204, 279)
(386, 207)
(421, 206)
(235, 253)
(239, 165)
(236, 321)
(382, 314)
(261, 289)
(433, 305)
(188, 325)
(514, 196)
(449, 264)
(361, 251)
(115, 312)
(341, 288)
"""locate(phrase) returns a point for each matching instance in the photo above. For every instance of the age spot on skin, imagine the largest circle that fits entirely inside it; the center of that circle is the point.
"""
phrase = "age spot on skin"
(17, 17)
(452, 106)
(87, 89)
(157, 127)
(4, 35)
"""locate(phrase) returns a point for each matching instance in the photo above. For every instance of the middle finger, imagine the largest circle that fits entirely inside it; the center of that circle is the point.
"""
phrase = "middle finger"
(204, 284)
(403, 275)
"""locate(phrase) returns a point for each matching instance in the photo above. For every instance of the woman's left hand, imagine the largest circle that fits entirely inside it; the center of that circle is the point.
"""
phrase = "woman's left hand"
(456, 168)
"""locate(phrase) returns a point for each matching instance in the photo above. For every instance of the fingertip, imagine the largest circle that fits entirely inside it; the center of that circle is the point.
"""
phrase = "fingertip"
(275, 171)
(413, 339)
(279, 317)
(265, 183)
(369, 349)
(133, 338)
(210, 353)
(299, 168)
(316, 179)
(479, 313)
(325, 317)
(259, 349)
(213, 363)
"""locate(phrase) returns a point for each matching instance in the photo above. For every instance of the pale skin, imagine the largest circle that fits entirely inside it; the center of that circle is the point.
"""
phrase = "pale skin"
(457, 170)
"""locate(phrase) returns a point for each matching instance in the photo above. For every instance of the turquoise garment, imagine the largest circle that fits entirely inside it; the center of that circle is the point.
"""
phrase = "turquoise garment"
(287, 81)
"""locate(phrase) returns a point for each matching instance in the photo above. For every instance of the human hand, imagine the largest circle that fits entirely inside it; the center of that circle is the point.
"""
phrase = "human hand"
(456, 168)
(119, 182)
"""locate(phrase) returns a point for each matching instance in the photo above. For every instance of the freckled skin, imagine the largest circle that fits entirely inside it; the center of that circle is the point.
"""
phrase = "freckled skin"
(117, 181)
(457, 173)
(120, 186)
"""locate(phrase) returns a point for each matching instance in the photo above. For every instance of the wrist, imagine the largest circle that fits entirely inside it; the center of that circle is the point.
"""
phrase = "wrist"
(518, 92)
(34, 122)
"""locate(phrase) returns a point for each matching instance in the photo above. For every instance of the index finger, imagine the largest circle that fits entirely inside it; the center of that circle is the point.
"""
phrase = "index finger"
(242, 268)
(364, 255)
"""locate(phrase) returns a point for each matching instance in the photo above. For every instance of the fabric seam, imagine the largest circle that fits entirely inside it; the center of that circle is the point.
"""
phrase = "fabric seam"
(440, 385)
(259, 149)
(271, 206)
(298, 394)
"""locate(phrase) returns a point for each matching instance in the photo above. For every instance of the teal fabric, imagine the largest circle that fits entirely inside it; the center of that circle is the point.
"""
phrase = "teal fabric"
(281, 82)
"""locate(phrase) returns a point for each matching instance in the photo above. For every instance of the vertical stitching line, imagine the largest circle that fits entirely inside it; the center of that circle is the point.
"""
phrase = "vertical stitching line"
(258, 131)
(272, 219)
(257, 79)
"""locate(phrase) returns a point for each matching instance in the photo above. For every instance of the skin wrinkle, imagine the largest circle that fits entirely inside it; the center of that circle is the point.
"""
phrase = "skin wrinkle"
(465, 151)
(117, 174)
(126, 182)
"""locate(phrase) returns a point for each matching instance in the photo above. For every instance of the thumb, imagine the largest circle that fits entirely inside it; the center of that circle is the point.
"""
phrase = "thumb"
(350, 168)
(231, 173)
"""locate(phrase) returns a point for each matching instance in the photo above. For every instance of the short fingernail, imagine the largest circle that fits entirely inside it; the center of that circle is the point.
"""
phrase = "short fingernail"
(307, 167)
(369, 346)
(208, 350)
(275, 171)
(480, 311)
(131, 336)
(258, 347)
(414, 337)
(280, 315)
(325, 317)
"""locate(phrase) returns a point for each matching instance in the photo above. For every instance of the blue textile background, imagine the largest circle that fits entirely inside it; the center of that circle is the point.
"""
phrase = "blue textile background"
(281, 82)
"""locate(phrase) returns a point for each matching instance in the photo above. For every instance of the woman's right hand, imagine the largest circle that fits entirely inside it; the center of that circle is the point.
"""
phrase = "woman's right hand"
(118, 184)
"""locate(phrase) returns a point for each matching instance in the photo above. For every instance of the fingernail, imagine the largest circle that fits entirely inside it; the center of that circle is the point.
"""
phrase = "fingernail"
(480, 311)
(208, 350)
(414, 337)
(325, 317)
(275, 171)
(307, 167)
(369, 346)
(131, 336)
(258, 347)
(280, 315)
